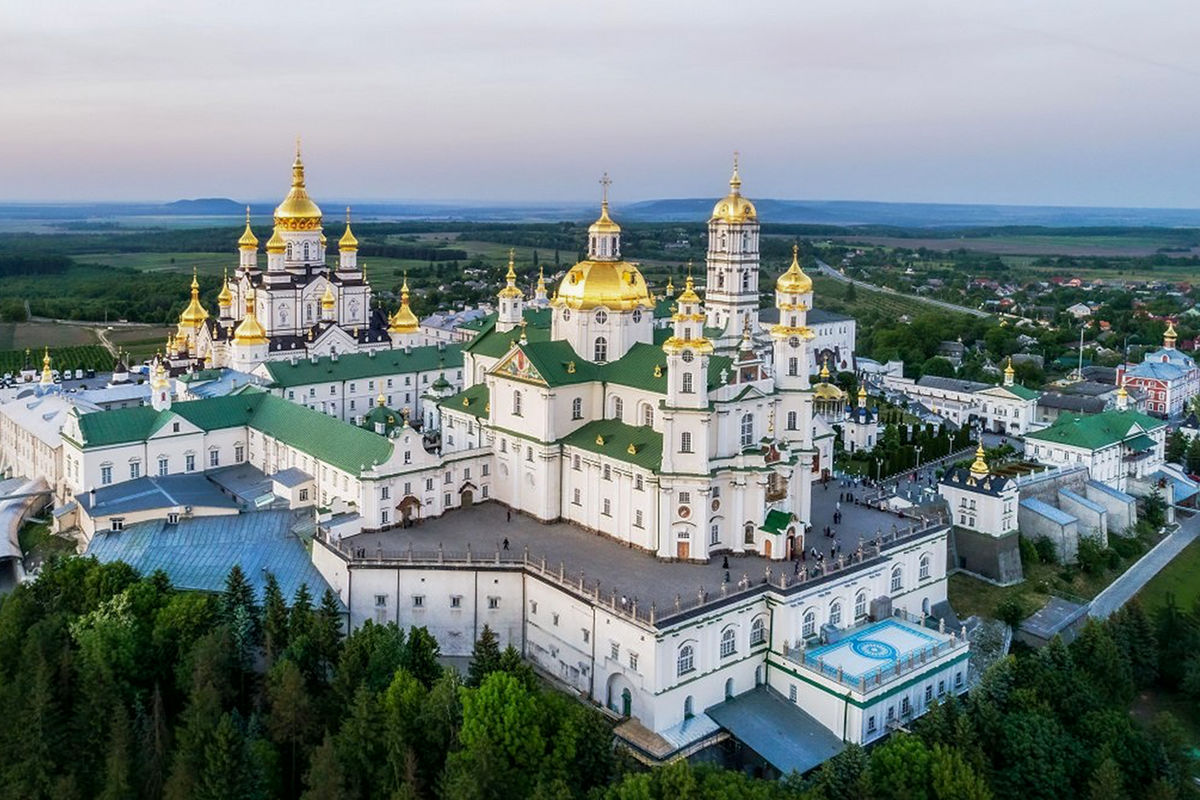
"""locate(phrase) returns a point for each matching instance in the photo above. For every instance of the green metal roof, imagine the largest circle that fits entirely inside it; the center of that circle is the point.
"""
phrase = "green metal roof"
(473, 400)
(327, 439)
(640, 445)
(357, 366)
(636, 369)
(777, 521)
(558, 364)
(1094, 431)
(494, 343)
(1140, 443)
(1022, 392)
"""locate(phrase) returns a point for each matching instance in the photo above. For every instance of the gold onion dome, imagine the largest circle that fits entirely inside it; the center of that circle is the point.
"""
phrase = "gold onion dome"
(510, 289)
(1170, 334)
(862, 392)
(794, 281)
(347, 242)
(404, 320)
(1009, 371)
(980, 467)
(276, 244)
(688, 295)
(194, 315)
(616, 285)
(248, 241)
(298, 212)
(328, 301)
(733, 207)
(225, 296)
(46, 376)
(249, 330)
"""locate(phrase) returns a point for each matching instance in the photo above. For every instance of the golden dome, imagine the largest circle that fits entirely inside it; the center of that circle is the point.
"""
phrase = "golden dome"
(980, 467)
(225, 296)
(733, 207)
(1009, 372)
(510, 290)
(47, 377)
(248, 241)
(249, 330)
(604, 224)
(827, 391)
(794, 281)
(862, 392)
(194, 315)
(404, 320)
(347, 242)
(328, 301)
(618, 285)
(825, 369)
(688, 295)
(1170, 335)
(298, 212)
(276, 244)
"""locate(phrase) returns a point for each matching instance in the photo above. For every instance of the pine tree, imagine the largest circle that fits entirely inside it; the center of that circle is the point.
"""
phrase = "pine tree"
(512, 663)
(485, 657)
(327, 634)
(238, 594)
(300, 623)
(324, 779)
(421, 656)
(360, 748)
(1106, 782)
(198, 725)
(228, 773)
(118, 765)
(275, 619)
(292, 722)
(154, 736)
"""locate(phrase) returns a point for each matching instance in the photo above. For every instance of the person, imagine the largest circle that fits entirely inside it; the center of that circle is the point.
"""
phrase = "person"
(508, 513)
(725, 562)
(505, 542)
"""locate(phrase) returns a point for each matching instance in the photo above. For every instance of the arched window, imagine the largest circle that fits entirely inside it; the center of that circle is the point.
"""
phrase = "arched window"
(601, 350)
(306, 251)
(729, 689)
(687, 708)
(516, 407)
(728, 642)
(897, 579)
(745, 280)
(577, 408)
(686, 661)
(289, 251)
(618, 409)
(685, 442)
(748, 533)
(793, 366)
(860, 605)
(835, 613)
(791, 420)
(747, 430)
(687, 383)
(924, 573)
(758, 632)
(647, 415)
(810, 624)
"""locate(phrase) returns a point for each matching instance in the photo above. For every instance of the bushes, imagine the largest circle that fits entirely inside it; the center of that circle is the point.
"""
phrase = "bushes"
(1029, 552)
(1011, 610)
(1047, 552)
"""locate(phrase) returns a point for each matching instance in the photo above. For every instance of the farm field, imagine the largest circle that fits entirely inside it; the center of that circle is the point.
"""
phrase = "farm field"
(831, 293)
(205, 263)
(36, 335)
(140, 342)
(1037, 245)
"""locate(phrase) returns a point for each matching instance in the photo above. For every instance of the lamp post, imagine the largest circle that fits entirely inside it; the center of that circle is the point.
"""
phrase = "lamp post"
(918, 449)
(878, 468)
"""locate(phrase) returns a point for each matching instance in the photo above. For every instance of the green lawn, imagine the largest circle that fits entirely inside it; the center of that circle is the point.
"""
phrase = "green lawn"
(1180, 578)
(205, 263)
(37, 542)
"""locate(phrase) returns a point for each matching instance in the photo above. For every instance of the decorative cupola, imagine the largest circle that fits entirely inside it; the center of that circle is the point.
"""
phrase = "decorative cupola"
(348, 247)
(791, 335)
(862, 396)
(194, 315)
(248, 247)
(604, 235)
(404, 322)
(731, 291)
(276, 246)
(512, 300)
(1170, 337)
(160, 386)
(328, 304)
(225, 298)
(1122, 397)
(979, 469)
(541, 298)
(687, 352)
(47, 375)
(1009, 373)
(249, 331)
(669, 292)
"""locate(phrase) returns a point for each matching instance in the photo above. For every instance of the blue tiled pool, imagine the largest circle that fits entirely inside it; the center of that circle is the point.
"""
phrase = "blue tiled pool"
(873, 648)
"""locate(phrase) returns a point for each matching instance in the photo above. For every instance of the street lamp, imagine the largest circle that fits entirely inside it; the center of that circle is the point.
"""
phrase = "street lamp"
(878, 468)
(918, 449)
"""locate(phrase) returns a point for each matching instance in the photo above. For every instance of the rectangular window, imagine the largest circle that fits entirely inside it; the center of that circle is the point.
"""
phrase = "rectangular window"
(493, 602)
(637, 519)
(615, 651)
(189, 462)
(239, 453)
(429, 484)
(607, 473)
(383, 517)
(135, 470)
(685, 498)
(871, 724)
(446, 500)
(929, 694)
(533, 606)
(587, 635)
(575, 462)
(904, 706)
(554, 619)
(633, 661)
(303, 495)
(381, 601)
(418, 601)
(485, 470)
(385, 493)
(117, 524)
(448, 479)
(607, 508)
(456, 601)
(214, 458)
(637, 482)
(484, 490)
(685, 442)
(941, 688)
(792, 692)
(163, 465)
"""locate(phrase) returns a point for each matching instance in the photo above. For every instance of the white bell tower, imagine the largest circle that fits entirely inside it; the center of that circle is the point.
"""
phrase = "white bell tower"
(731, 293)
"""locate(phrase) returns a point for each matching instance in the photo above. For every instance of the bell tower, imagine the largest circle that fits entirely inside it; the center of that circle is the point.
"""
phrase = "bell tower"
(512, 299)
(731, 292)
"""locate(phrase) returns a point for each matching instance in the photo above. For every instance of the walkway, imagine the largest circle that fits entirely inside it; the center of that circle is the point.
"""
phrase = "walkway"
(1123, 588)
(833, 273)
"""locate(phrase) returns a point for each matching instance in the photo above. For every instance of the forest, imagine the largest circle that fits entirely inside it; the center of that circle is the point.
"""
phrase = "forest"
(117, 685)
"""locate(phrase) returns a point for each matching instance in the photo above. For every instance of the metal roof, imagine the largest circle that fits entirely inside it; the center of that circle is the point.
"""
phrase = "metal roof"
(1046, 510)
(147, 493)
(198, 553)
(784, 735)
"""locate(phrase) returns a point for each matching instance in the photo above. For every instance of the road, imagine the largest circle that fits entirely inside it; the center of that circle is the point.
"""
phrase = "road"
(833, 273)
(1149, 565)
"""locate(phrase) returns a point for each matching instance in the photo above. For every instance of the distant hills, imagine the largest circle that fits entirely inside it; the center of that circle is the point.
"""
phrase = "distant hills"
(219, 210)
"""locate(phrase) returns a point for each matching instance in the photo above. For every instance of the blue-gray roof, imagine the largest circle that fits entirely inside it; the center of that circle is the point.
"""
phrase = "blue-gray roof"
(1116, 494)
(785, 736)
(198, 553)
(1091, 505)
(291, 477)
(1046, 510)
(147, 493)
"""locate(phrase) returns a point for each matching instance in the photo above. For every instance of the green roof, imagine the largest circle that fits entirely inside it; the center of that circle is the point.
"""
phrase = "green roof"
(494, 343)
(558, 364)
(636, 369)
(1021, 392)
(327, 439)
(473, 400)
(1094, 431)
(1140, 443)
(614, 439)
(357, 366)
(777, 521)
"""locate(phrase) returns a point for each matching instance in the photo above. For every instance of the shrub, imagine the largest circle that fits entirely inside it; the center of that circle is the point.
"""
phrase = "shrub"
(1029, 553)
(1047, 552)
(1126, 546)
(1010, 610)
(1092, 557)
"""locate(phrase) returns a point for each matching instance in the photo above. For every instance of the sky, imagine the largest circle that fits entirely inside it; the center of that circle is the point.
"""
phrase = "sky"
(1070, 102)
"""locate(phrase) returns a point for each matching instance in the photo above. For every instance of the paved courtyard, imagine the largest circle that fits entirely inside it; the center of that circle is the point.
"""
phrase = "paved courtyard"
(622, 570)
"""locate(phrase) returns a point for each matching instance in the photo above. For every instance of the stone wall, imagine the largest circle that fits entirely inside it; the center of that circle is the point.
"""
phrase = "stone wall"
(996, 558)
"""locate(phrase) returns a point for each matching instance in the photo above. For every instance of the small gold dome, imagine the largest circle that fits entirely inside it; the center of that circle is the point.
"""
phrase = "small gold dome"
(276, 244)
(225, 296)
(794, 281)
(510, 289)
(248, 241)
(249, 330)
(1170, 335)
(347, 242)
(298, 212)
(605, 223)
(404, 320)
(688, 295)
(618, 285)
(862, 392)
(733, 207)
(980, 467)
(194, 315)
(328, 301)
(1009, 371)
(827, 391)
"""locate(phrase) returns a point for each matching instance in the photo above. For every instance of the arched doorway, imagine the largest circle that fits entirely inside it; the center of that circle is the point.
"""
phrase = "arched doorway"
(729, 689)
(626, 703)
(767, 548)
(409, 508)
(791, 544)
(758, 675)
(466, 494)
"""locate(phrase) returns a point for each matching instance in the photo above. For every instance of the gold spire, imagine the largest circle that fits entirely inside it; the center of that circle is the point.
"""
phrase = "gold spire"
(381, 401)
(248, 241)
(604, 224)
(225, 296)
(689, 289)
(511, 289)
(541, 284)
(159, 377)
(328, 301)
(1008, 371)
(980, 468)
(347, 242)
(249, 330)
(46, 376)
(862, 392)
(194, 315)
(794, 281)
(1170, 336)
(733, 207)
(670, 287)
(404, 320)
(298, 212)
(276, 244)
(825, 368)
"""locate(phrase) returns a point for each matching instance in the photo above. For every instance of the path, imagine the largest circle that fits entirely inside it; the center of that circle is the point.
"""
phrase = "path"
(833, 273)
(1123, 588)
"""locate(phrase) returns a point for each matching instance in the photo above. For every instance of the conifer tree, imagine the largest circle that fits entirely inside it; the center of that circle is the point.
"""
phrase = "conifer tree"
(485, 657)
(292, 720)
(118, 764)
(1106, 782)
(228, 773)
(421, 656)
(300, 623)
(275, 619)
(324, 779)
(327, 634)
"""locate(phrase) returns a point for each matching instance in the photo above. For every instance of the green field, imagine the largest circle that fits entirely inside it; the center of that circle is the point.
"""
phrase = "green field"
(205, 263)
(36, 335)
(1180, 578)
(831, 294)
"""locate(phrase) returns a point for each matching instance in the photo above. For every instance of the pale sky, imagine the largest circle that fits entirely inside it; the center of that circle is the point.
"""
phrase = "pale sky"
(1087, 102)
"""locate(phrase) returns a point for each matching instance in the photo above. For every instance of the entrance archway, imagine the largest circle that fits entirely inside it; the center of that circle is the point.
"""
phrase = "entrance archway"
(409, 508)
(767, 548)
(626, 702)
(467, 496)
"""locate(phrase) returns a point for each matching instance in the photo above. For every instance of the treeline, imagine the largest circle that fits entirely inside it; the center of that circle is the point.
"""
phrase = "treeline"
(412, 251)
(33, 264)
